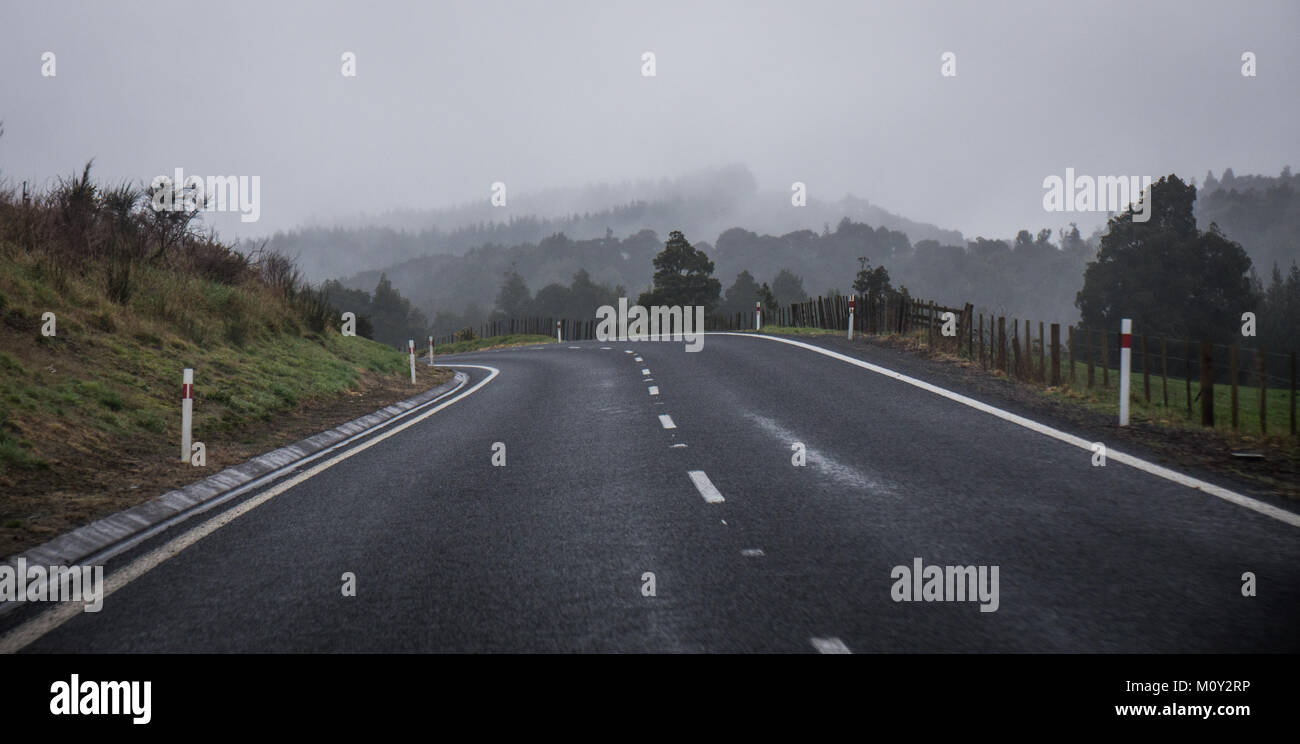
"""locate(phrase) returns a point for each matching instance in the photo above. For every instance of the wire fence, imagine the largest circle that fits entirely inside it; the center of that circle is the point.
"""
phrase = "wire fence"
(1239, 387)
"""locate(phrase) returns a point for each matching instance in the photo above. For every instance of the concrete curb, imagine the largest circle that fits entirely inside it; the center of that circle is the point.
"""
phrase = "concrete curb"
(74, 547)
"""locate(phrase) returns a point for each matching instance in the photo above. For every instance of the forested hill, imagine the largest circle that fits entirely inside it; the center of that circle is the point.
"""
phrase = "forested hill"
(1260, 212)
(1028, 275)
(703, 205)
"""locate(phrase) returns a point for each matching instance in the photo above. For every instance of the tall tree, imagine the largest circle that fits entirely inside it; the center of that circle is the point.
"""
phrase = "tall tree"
(513, 299)
(1166, 275)
(683, 276)
(872, 281)
(741, 295)
(392, 316)
(768, 299)
(1279, 313)
(788, 288)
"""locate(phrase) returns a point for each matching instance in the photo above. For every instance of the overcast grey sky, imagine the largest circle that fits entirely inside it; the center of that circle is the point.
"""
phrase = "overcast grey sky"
(844, 96)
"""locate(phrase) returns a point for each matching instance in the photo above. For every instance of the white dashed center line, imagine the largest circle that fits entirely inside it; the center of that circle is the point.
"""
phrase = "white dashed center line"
(645, 372)
(705, 487)
(654, 390)
(667, 421)
(830, 646)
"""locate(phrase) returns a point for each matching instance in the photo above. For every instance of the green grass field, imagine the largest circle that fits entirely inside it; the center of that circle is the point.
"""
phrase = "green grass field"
(496, 342)
(1277, 401)
(797, 331)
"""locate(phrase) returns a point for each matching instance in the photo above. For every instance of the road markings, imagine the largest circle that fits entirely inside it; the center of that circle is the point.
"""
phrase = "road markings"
(1232, 497)
(637, 359)
(830, 646)
(575, 347)
(627, 351)
(705, 487)
(654, 390)
(667, 421)
(606, 348)
(33, 629)
(675, 446)
(752, 552)
(645, 372)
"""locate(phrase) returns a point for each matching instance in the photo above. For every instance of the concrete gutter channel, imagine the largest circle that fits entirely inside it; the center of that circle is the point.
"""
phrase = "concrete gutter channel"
(106, 537)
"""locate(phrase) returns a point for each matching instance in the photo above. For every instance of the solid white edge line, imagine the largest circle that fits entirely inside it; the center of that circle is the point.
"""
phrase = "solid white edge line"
(1233, 497)
(259, 482)
(32, 630)
(705, 487)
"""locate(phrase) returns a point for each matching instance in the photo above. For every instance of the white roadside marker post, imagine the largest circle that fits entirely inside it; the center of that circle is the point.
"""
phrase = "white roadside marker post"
(851, 302)
(558, 340)
(758, 316)
(187, 413)
(431, 351)
(410, 344)
(1125, 352)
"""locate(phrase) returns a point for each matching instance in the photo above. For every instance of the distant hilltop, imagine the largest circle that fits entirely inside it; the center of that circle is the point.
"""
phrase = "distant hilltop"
(703, 204)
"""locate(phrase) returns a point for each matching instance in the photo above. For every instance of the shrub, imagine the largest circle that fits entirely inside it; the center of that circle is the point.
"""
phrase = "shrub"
(103, 321)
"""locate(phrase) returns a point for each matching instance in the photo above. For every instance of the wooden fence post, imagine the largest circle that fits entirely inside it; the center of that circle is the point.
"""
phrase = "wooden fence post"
(1088, 337)
(1070, 342)
(1029, 353)
(1056, 355)
(982, 342)
(1042, 354)
(1105, 359)
(1146, 372)
(1164, 371)
(969, 317)
(1232, 373)
(1263, 390)
(1207, 384)
(929, 327)
(1002, 343)
(1292, 393)
(1187, 373)
(1016, 362)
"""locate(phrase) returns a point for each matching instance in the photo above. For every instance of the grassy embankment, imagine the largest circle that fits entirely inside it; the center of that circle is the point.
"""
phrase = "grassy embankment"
(90, 417)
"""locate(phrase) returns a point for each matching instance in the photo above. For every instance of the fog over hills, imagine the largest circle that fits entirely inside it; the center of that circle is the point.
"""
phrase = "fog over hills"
(702, 204)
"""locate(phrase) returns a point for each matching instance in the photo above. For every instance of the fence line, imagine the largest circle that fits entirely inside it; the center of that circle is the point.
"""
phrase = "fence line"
(1041, 354)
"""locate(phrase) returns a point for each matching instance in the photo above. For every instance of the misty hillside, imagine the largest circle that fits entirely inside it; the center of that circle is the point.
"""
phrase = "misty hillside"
(1029, 275)
(702, 204)
(1260, 212)
(1036, 273)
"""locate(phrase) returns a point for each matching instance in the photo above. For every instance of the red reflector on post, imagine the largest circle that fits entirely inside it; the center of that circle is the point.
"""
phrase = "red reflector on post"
(187, 391)
(1125, 340)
